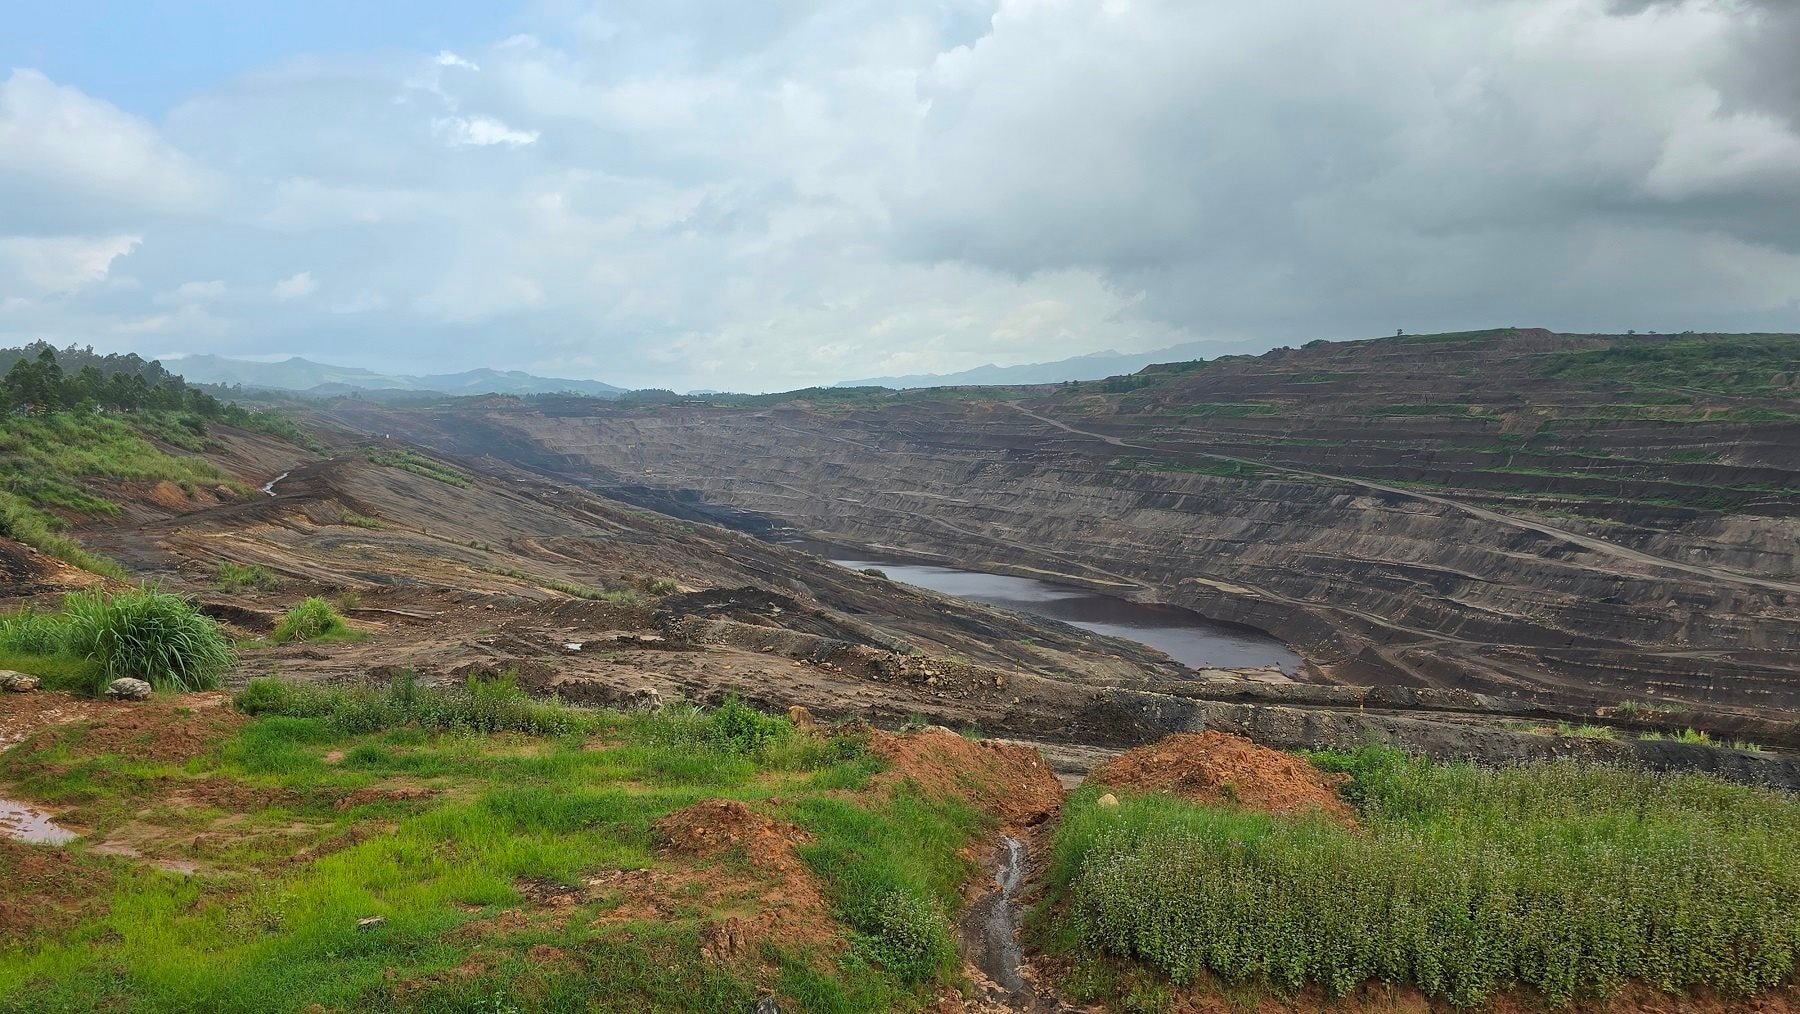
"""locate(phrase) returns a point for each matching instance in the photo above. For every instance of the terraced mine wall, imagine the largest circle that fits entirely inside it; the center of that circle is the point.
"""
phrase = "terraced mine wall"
(1409, 512)
(1370, 586)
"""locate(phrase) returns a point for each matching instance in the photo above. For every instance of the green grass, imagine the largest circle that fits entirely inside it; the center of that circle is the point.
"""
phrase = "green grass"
(1224, 410)
(1419, 409)
(232, 577)
(312, 620)
(559, 801)
(100, 636)
(617, 597)
(419, 464)
(1464, 883)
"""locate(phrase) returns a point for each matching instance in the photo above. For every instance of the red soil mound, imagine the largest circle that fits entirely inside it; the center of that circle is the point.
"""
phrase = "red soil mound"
(1213, 767)
(779, 897)
(1011, 782)
(166, 729)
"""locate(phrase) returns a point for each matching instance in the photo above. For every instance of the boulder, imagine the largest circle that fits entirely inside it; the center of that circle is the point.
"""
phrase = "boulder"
(1109, 801)
(127, 689)
(17, 682)
(646, 699)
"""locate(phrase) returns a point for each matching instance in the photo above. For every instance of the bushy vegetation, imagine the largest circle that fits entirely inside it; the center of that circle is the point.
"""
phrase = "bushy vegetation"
(1568, 879)
(559, 799)
(99, 636)
(419, 464)
(231, 577)
(312, 620)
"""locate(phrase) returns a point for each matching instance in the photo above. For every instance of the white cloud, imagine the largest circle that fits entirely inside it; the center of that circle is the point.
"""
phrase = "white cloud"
(194, 292)
(59, 265)
(480, 132)
(780, 195)
(54, 139)
(294, 287)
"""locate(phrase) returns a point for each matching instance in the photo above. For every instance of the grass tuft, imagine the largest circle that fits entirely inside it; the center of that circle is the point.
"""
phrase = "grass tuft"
(232, 577)
(151, 635)
(312, 620)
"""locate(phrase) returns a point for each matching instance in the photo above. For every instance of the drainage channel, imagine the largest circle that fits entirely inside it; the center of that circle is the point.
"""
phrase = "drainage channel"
(989, 930)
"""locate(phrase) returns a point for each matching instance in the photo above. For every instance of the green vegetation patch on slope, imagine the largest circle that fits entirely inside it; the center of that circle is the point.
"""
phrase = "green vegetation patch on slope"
(494, 841)
(1464, 883)
(45, 458)
(419, 464)
(1764, 365)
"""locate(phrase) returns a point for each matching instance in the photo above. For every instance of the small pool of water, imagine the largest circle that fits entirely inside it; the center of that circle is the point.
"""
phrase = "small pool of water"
(21, 822)
(1183, 635)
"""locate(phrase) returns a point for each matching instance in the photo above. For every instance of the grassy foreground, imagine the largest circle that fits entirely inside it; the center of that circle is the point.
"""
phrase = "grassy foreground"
(1464, 883)
(498, 839)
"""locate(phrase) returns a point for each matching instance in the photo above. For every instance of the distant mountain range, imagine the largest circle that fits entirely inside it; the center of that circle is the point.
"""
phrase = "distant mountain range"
(307, 377)
(1093, 366)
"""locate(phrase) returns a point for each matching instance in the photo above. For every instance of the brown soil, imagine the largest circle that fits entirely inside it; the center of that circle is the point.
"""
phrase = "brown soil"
(1213, 767)
(1010, 781)
(173, 730)
(375, 794)
(46, 890)
(786, 904)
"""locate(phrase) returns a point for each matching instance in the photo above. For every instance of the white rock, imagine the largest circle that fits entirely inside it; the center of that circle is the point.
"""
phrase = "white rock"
(17, 682)
(128, 689)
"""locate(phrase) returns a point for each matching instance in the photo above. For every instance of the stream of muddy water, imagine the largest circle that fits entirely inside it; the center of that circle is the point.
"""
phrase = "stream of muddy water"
(1183, 635)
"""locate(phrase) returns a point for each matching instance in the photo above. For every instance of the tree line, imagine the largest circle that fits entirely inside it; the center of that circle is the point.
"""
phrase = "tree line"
(39, 380)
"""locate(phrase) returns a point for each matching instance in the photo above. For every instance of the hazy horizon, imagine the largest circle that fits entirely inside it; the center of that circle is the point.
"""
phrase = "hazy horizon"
(702, 195)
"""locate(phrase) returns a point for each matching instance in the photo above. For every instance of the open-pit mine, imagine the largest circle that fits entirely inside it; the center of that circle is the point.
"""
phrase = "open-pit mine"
(771, 702)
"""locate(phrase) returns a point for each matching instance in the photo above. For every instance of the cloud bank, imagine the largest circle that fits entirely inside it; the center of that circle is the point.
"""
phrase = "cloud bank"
(767, 196)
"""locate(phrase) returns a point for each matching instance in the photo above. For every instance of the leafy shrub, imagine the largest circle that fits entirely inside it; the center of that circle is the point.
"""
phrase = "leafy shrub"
(151, 635)
(874, 572)
(907, 935)
(230, 577)
(311, 620)
(1463, 882)
(664, 586)
(739, 728)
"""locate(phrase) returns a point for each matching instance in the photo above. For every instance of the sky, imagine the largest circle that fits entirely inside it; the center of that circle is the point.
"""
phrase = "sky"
(762, 196)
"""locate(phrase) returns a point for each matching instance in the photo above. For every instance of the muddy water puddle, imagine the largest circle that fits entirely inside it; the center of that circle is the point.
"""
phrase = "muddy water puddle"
(30, 824)
(1183, 635)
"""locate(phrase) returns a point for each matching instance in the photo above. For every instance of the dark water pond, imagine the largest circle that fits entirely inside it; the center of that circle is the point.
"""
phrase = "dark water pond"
(1183, 635)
